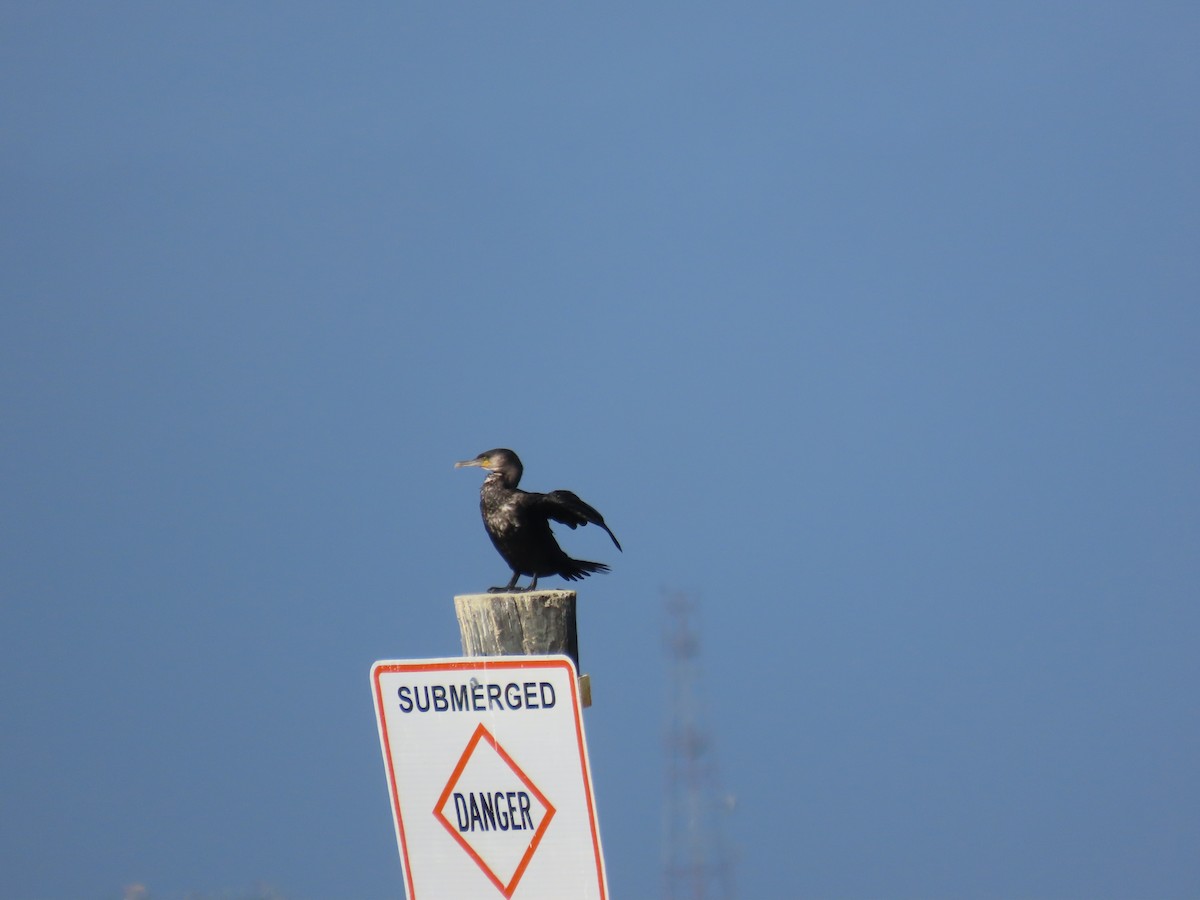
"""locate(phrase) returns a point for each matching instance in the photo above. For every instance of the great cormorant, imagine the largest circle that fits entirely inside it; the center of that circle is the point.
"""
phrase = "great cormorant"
(518, 522)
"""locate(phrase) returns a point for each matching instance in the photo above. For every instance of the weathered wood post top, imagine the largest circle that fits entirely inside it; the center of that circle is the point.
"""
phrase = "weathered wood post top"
(526, 623)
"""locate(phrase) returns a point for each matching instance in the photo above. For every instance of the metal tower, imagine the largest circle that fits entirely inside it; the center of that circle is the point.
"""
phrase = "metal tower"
(697, 863)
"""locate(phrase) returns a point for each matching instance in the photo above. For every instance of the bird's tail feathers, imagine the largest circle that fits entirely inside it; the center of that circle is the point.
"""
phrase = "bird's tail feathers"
(576, 569)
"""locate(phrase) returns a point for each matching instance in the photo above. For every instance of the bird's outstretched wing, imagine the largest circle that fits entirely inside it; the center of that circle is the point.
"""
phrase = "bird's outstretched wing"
(565, 507)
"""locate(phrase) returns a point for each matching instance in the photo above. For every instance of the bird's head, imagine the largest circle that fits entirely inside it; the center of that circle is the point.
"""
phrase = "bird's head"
(502, 462)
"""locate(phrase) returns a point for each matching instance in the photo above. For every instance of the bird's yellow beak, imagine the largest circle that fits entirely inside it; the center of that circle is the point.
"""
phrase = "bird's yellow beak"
(482, 462)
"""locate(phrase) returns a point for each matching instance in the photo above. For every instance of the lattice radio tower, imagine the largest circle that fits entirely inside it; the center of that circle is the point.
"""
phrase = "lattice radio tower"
(697, 863)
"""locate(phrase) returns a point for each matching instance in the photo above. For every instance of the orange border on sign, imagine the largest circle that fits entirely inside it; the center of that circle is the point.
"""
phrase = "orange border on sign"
(468, 664)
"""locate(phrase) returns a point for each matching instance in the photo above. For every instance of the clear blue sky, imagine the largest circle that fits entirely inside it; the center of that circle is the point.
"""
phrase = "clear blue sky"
(873, 325)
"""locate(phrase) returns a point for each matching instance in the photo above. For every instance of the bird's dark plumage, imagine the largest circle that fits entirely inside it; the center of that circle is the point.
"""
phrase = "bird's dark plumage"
(518, 522)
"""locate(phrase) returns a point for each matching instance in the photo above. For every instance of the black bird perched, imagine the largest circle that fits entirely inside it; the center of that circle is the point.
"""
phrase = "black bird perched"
(518, 522)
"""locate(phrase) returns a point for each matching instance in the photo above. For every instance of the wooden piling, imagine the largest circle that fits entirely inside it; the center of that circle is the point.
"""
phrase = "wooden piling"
(521, 624)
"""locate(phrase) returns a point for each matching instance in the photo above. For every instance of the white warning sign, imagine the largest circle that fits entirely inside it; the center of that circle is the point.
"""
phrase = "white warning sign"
(488, 774)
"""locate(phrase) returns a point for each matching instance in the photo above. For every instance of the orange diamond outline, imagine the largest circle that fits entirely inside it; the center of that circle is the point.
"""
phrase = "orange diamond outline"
(481, 733)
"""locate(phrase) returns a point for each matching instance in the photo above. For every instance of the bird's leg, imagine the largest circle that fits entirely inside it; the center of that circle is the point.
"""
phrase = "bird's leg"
(532, 585)
(508, 588)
